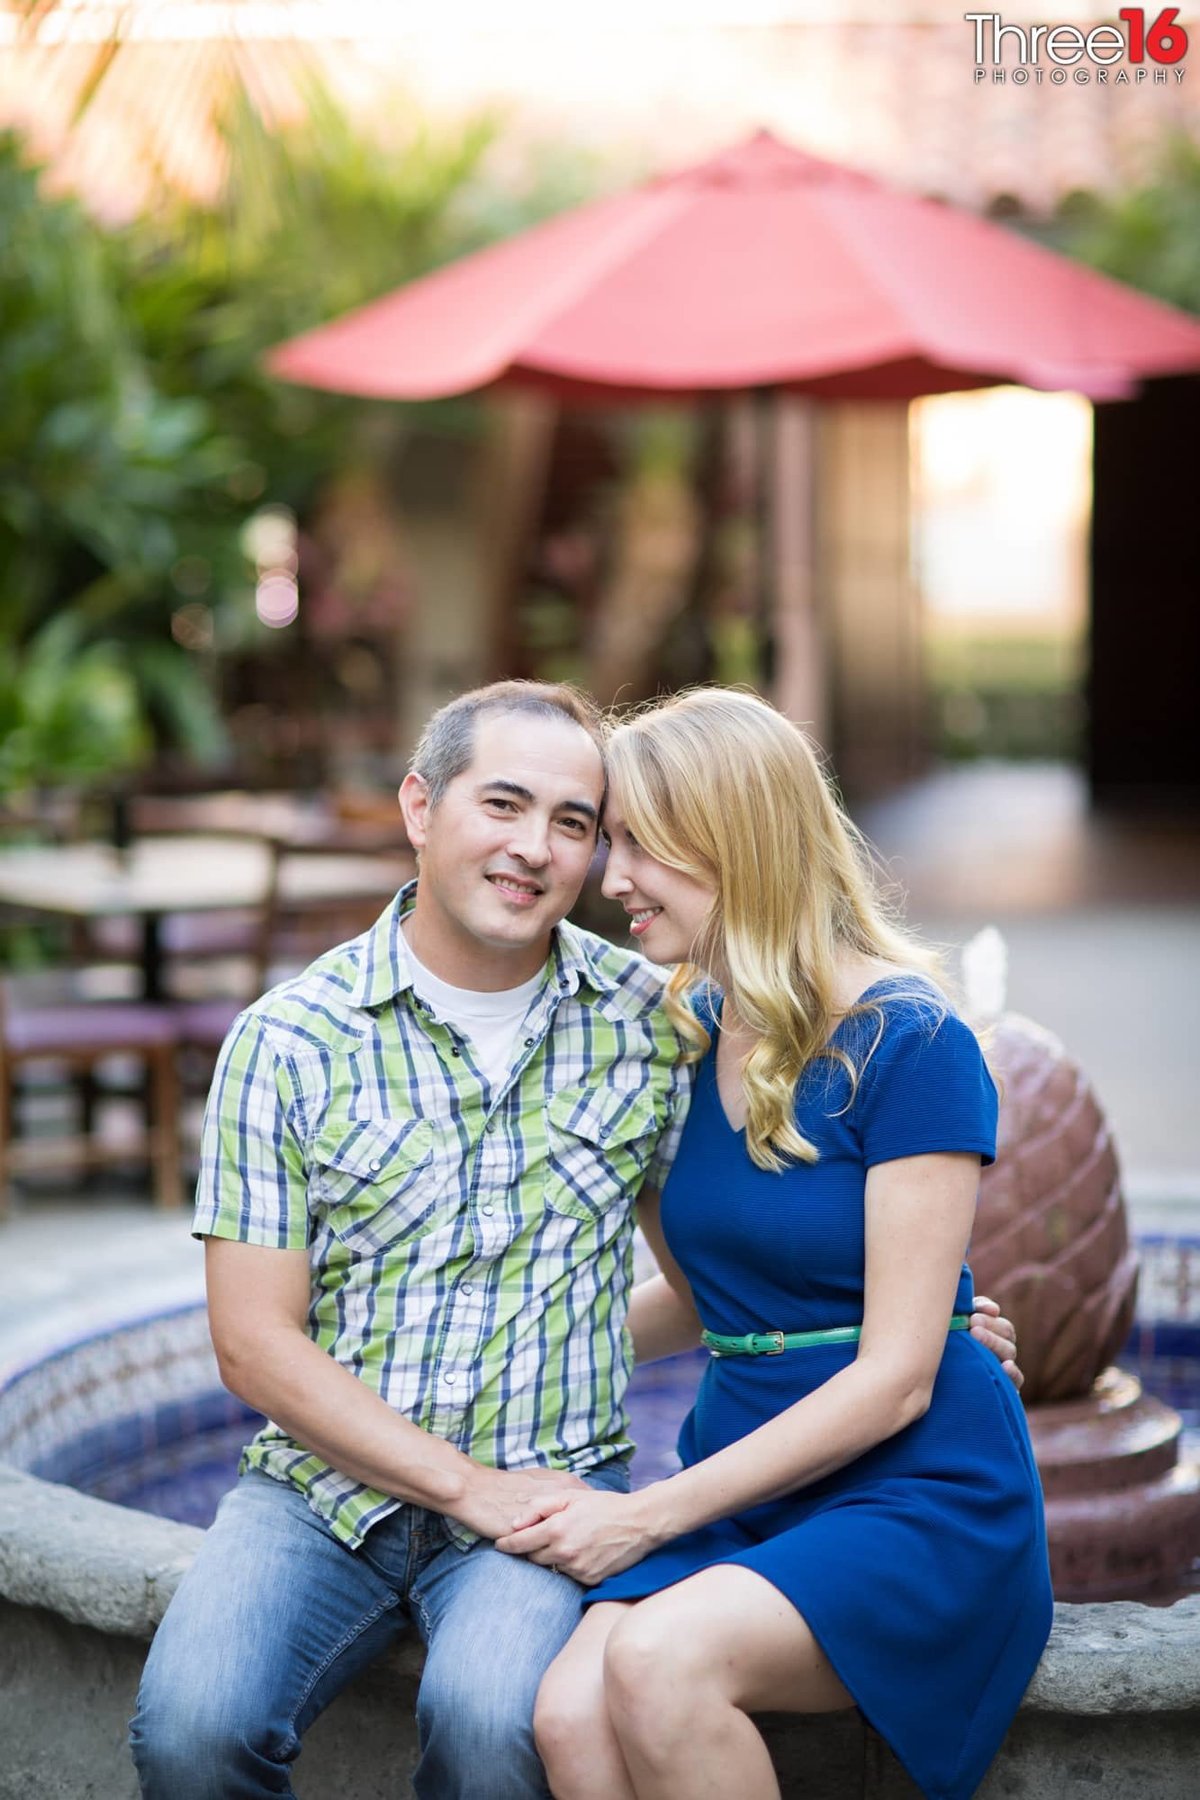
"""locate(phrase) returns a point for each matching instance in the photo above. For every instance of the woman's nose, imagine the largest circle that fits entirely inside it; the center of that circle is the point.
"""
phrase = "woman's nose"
(616, 882)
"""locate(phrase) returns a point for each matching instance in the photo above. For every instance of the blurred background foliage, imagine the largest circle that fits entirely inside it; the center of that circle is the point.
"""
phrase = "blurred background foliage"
(140, 433)
(1150, 234)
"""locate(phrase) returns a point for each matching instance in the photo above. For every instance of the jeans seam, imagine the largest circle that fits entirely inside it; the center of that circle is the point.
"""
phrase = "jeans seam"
(343, 1643)
(422, 1612)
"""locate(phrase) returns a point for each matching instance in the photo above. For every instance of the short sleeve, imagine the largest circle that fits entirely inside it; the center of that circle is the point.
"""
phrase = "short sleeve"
(925, 1087)
(679, 1095)
(253, 1183)
(668, 1143)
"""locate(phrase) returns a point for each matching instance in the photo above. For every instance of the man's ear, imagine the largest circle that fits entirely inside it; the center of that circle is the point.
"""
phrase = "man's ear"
(415, 808)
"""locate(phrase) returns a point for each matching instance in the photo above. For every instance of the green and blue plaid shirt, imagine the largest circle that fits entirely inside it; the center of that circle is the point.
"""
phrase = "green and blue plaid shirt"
(471, 1245)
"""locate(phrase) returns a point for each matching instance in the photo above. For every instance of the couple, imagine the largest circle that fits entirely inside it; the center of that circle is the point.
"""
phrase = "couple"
(419, 1169)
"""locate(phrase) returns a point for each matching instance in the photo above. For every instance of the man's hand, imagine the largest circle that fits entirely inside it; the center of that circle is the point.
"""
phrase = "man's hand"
(497, 1498)
(997, 1335)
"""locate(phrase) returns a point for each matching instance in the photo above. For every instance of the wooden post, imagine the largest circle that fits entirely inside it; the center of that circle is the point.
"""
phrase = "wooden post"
(872, 613)
(800, 678)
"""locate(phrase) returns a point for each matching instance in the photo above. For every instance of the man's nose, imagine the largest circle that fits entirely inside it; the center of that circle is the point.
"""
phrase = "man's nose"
(530, 840)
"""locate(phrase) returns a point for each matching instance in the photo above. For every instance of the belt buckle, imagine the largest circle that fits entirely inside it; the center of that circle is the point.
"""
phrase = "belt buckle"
(778, 1346)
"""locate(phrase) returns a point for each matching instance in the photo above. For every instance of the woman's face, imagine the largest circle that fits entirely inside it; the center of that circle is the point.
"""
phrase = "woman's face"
(667, 909)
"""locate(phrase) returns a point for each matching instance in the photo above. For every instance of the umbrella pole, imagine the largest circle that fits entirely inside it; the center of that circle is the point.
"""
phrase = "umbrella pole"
(766, 419)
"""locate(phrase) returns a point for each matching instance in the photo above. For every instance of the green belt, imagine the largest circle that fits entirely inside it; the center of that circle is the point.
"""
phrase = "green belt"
(774, 1343)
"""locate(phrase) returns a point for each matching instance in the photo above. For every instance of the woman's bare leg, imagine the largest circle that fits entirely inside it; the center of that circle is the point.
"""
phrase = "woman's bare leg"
(684, 1669)
(574, 1736)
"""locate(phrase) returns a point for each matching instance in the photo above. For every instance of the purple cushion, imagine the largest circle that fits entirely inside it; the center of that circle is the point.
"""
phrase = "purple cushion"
(62, 1030)
(205, 1023)
(234, 933)
(212, 934)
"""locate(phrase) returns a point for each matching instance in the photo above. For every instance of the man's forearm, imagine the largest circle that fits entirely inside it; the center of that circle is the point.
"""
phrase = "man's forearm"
(329, 1411)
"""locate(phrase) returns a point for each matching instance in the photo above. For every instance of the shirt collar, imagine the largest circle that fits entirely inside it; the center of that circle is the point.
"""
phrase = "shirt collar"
(386, 967)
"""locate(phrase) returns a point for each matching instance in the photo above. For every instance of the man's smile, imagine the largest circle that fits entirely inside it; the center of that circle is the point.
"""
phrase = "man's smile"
(514, 887)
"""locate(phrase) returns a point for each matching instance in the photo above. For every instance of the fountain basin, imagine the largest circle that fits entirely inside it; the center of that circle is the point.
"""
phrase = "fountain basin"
(136, 1413)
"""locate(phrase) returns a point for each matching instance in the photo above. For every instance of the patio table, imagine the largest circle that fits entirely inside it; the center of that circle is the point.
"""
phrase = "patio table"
(160, 875)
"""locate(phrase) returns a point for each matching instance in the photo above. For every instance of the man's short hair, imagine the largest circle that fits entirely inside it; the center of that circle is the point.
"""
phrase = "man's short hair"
(448, 740)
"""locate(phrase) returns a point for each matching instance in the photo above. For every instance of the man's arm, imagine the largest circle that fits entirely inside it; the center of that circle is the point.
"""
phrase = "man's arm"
(998, 1335)
(258, 1299)
(662, 1314)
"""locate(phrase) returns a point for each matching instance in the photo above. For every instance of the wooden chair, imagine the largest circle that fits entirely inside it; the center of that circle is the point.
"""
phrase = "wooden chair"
(81, 1036)
(294, 929)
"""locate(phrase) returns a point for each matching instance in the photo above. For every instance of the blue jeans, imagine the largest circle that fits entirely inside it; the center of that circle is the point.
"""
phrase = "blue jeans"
(275, 1616)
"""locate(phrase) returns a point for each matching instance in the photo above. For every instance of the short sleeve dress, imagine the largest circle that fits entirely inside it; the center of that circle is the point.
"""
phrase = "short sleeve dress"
(921, 1567)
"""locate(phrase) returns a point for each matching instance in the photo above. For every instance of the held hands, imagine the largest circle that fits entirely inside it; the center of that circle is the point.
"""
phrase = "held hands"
(997, 1335)
(498, 1499)
(587, 1535)
(555, 1519)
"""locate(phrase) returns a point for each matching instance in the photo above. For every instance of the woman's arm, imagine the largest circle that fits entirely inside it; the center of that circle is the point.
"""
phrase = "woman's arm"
(919, 1211)
(662, 1314)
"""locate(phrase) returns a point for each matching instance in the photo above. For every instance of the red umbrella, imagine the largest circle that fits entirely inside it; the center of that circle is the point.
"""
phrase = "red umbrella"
(762, 267)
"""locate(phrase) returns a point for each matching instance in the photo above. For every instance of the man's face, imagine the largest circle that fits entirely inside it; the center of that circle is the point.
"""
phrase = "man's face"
(505, 850)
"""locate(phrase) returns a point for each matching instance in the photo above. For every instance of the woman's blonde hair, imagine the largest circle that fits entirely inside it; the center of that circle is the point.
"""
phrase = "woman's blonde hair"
(719, 785)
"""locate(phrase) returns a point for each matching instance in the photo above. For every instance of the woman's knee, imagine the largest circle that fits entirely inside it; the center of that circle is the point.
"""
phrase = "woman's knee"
(649, 1671)
(566, 1718)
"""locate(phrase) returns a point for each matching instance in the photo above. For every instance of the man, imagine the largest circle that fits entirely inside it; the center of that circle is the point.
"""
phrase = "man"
(419, 1165)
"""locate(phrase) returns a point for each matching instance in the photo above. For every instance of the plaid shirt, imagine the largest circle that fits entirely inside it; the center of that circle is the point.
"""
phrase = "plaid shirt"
(471, 1245)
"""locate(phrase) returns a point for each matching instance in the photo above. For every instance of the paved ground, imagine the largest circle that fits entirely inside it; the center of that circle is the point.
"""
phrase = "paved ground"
(1102, 923)
(1103, 928)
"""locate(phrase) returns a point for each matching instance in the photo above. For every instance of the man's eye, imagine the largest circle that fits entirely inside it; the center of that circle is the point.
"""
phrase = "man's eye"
(575, 825)
(503, 805)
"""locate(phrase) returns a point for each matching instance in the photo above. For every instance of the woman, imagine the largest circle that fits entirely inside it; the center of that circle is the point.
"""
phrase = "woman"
(858, 1520)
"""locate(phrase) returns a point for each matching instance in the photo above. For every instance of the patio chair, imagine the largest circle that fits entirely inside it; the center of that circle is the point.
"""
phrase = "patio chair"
(294, 928)
(80, 1037)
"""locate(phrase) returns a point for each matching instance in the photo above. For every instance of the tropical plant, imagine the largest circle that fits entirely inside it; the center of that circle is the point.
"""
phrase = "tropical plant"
(107, 484)
(1148, 235)
(142, 430)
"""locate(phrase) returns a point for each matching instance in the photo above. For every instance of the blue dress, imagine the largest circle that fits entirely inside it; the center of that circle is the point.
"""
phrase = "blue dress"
(920, 1567)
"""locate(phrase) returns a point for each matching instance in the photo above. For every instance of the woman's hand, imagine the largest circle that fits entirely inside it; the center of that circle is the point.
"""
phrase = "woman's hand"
(586, 1535)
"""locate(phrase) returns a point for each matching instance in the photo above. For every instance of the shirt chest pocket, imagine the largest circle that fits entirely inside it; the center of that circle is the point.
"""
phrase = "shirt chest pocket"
(598, 1146)
(375, 1181)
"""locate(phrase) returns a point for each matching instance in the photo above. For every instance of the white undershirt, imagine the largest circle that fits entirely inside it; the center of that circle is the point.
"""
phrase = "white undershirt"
(490, 1021)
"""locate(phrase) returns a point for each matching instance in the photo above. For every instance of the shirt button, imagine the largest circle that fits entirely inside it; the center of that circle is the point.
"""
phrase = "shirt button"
(376, 1165)
(454, 1050)
(467, 1287)
(488, 1210)
(490, 1126)
(449, 1376)
(530, 1042)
